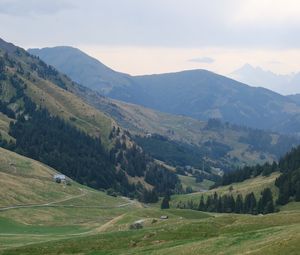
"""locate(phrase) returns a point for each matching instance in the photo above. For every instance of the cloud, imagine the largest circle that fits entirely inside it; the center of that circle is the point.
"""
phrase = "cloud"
(33, 7)
(154, 23)
(205, 60)
(274, 62)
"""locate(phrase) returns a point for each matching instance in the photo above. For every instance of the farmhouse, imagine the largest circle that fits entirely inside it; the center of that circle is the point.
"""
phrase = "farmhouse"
(59, 177)
(164, 217)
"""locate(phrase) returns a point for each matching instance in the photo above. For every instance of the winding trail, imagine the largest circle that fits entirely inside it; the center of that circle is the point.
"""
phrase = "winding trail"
(55, 204)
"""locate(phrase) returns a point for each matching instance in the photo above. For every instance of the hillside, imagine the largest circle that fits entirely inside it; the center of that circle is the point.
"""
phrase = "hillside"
(53, 125)
(28, 182)
(82, 68)
(222, 142)
(199, 94)
(255, 185)
(75, 219)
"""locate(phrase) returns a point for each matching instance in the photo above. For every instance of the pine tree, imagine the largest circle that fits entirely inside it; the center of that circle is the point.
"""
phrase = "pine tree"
(165, 203)
(267, 205)
(250, 203)
(202, 204)
(297, 193)
(239, 204)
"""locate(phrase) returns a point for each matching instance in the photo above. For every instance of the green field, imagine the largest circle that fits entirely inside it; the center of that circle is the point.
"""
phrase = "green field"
(185, 232)
(51, 218)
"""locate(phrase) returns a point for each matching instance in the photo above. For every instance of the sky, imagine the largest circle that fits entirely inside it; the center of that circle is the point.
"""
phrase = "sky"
(156, 36)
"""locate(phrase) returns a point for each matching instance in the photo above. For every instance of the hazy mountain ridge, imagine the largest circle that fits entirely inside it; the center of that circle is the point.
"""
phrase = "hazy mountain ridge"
(199, 94)
(256, 76)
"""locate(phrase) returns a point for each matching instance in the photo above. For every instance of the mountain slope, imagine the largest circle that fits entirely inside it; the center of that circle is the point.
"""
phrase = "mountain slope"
(295, 98)
(199, 94)
(208, 139)
(82, 68)
(25, 181)
(56, 127)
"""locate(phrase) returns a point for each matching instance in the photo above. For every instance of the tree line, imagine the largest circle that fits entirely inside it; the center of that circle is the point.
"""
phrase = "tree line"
(229, 204)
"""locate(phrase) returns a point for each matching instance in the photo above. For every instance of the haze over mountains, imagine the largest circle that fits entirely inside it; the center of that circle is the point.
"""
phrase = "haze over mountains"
(199, 94)
(256, 76)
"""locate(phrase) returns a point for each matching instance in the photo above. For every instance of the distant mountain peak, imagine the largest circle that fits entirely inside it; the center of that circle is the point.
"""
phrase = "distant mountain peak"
(257, 76)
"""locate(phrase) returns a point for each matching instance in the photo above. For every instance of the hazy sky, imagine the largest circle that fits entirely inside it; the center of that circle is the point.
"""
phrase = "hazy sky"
(154, 36)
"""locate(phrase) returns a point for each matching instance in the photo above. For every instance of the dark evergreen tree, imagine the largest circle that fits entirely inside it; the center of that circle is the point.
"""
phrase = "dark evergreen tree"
(239, 204)
(266, 204)
(297, 193)
(250, 204)
(202, 204)
(165, 203)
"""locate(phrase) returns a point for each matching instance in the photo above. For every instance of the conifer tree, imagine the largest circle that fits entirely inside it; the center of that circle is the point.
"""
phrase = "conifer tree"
(165, 203)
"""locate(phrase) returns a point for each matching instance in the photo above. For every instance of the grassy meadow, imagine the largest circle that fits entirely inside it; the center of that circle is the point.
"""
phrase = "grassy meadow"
(51, 218)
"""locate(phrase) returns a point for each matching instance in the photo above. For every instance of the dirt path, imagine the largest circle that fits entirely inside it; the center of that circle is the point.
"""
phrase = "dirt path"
(55, 204)
(106, 225)
(83, 193)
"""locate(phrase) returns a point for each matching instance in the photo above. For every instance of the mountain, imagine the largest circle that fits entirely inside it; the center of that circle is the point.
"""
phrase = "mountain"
(82, 68)
(199, 94)
(181, 140)
(295, 98)
(256, 76)
(43, 119)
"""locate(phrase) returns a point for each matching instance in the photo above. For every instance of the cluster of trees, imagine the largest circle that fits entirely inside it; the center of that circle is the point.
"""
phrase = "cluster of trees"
(182, 154)
(6, 110)
(164, 181)
(172, 152)
(247, 172)
(2, 68)
(289, 180)
(45, 71)
(230, 204)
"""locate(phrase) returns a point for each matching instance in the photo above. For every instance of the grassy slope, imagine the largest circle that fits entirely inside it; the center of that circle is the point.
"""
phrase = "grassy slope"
(185, 232)
(90, 230)
(24, 181)
(4, 127)
(255, 185)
